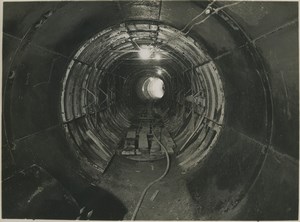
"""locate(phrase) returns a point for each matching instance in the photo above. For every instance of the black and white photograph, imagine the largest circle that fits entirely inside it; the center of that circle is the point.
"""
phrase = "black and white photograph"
(150, 110)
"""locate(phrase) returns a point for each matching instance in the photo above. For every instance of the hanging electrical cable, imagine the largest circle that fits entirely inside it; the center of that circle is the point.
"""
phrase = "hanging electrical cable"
(204, 11)
(215, 11)
(153, 182)
(189, 23)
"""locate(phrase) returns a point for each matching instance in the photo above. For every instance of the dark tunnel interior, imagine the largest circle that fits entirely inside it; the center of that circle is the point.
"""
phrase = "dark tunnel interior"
(101, 98)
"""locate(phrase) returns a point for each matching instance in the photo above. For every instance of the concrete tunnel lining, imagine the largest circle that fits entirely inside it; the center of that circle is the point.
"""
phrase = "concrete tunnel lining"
(247, 128)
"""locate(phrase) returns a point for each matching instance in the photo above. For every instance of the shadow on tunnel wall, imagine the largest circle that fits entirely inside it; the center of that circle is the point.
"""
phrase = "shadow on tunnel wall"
(34, 194)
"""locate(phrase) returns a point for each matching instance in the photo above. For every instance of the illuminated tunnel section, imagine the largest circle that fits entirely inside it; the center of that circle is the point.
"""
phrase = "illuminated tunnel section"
(89, 86)
(221, 84)
(151, 88)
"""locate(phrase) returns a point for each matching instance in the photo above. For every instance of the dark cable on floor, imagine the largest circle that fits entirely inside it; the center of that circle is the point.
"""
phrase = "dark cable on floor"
(153, 182)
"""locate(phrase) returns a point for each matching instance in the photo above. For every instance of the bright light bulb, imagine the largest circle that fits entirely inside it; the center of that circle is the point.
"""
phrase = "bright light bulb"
(159, 72)
(207, 11)
(145, 53)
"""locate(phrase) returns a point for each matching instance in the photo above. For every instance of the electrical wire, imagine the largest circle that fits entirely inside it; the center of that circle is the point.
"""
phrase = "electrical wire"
(187, 25)
(153, 182)
(204, 11)
(190, 23)
(215, 11)
(156, 48)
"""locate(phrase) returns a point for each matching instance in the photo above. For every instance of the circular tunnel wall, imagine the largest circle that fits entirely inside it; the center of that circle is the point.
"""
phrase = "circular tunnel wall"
(90, 86)
(70, 93)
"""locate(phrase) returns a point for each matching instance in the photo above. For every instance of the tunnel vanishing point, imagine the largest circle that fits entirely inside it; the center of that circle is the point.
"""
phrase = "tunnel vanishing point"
(150, 110)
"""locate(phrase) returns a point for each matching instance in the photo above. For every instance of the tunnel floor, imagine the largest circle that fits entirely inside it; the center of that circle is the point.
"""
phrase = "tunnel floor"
(143, 138)
(127, 176)
(127, 179)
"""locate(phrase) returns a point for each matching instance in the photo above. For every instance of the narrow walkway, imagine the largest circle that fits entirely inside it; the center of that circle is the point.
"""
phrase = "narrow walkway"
(126, 179)
(129, 174)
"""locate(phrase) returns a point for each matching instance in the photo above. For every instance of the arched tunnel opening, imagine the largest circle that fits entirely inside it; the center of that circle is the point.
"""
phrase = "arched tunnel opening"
(150, 110)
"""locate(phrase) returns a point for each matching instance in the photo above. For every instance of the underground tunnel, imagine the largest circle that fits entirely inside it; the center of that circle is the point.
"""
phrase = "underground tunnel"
(150, 110)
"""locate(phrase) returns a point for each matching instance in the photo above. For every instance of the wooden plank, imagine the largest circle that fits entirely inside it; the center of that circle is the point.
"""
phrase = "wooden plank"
(97, 142)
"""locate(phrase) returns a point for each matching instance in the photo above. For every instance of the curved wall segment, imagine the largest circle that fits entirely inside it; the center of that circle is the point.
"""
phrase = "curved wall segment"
(78, 90)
